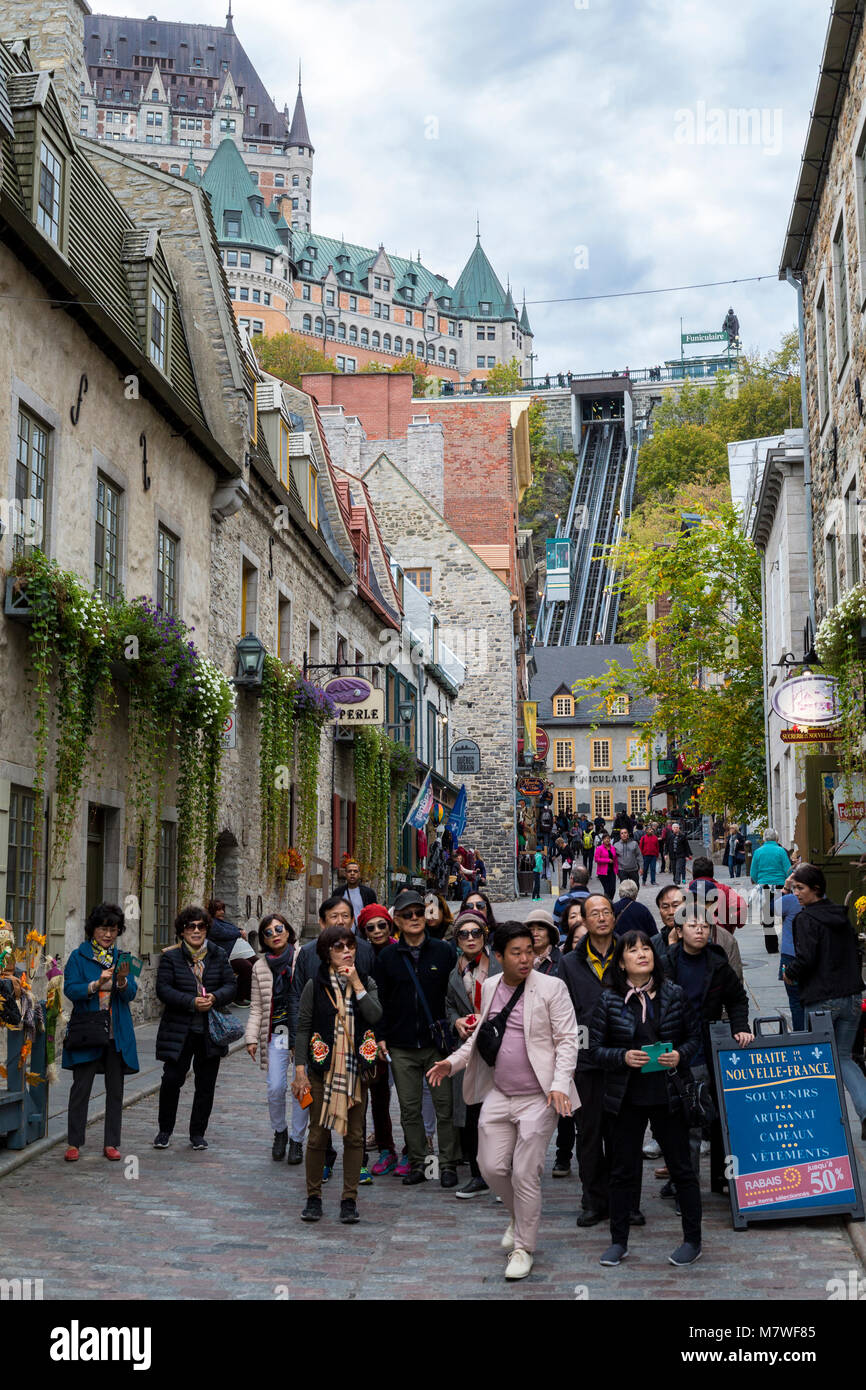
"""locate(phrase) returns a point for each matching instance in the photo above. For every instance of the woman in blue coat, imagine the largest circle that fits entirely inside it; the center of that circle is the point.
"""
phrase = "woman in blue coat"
(94, 981)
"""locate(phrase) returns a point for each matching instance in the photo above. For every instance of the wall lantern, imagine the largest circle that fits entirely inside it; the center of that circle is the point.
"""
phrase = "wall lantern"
(250, 663)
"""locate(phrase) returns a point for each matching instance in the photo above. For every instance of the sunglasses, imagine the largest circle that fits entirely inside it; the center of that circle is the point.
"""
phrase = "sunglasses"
(272, 931)
(469, 934)
(343, 946)
(411, 912)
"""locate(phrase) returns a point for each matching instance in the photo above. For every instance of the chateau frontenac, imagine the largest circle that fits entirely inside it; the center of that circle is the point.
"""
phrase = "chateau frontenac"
(186, 98)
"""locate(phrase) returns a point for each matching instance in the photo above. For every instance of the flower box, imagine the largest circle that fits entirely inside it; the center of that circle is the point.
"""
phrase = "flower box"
(16, 605)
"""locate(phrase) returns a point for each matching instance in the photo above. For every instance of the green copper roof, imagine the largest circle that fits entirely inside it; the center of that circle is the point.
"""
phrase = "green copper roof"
(478, 285)
(191, 173)
(360, 258)
(524, 319)
(238, 207)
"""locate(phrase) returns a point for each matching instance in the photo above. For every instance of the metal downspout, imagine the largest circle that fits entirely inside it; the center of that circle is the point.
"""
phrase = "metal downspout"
(797, 285)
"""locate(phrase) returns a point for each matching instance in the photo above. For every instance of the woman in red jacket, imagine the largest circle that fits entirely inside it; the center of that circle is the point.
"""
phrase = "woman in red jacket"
(649, 848)
(605, 865)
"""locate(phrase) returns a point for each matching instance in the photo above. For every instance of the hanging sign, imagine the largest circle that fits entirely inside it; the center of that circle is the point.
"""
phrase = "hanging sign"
(542, 746)
(465, 757)
(808, 735)
(357, 701)
(785, 1124)
(530, 786)
(807, 700)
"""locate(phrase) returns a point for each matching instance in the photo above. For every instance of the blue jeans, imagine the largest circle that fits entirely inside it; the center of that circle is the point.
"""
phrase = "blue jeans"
(735, 867)
(798, 1013)
(679, 868)
(845, 1013)
(649, 867)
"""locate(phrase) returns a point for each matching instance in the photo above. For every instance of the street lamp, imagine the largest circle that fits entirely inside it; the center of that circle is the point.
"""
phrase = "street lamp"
(250, 665)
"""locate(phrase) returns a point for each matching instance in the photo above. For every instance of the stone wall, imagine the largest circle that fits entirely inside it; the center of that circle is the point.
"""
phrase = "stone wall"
(55, 30)
(475, 611)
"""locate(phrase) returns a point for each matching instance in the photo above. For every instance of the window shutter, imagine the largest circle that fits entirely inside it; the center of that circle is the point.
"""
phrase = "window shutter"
(335, 831)
(350, 827)
(5, 788)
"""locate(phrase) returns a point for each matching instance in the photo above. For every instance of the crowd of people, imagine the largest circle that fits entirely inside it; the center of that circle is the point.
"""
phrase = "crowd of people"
(590, 1023)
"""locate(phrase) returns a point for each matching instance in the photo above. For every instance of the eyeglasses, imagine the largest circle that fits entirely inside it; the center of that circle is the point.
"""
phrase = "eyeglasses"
(111, 930)
(411, 912)
(196, 926)
(344, 946)
(272, 931)
(469, 935)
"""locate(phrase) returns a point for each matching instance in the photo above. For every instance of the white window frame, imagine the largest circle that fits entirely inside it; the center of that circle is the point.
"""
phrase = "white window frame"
(841, 296)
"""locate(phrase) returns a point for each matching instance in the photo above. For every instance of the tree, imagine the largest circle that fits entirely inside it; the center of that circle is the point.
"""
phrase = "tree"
(289, 356)
(698, 656)
(504, 379)
(680, 455)
(408, 363)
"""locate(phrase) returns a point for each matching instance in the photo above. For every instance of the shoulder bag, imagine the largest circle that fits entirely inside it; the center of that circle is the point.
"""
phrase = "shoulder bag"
(88, 1028)
(223, 1028)
(440, 1032)
(696, 1100)
(492, 1030)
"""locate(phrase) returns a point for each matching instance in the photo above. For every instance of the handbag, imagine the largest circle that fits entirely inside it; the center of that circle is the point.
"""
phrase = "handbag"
(492, 1030)
(440, 1032)
(696, 1099)
(88, 1028)
(223, 1028)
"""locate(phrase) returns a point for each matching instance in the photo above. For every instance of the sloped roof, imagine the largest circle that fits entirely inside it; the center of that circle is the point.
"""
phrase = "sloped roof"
(524, 319)
(229, 185)
(299, 133)
(127, 37)
(359, 262)
(477, 284)
(558, 666)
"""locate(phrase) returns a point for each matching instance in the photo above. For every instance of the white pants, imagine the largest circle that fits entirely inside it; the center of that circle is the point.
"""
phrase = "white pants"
(279, 1062)
(514, 1134)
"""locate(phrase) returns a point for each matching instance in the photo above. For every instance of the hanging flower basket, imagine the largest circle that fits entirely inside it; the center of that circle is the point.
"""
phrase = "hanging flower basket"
(289, 865)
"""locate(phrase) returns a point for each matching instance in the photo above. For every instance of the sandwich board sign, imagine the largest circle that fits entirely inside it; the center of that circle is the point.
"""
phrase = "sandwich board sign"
(785, 1124)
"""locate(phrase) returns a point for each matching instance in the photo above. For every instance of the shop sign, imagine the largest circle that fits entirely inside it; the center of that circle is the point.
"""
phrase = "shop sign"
(530, 786)
(358, 702)
(807, 700)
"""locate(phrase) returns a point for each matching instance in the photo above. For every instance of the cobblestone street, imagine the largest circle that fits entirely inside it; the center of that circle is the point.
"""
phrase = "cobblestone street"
(225, 1224)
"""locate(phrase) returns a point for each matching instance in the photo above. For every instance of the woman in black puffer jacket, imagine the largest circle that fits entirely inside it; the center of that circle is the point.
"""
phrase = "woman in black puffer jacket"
(193, 977)
(642, 1008)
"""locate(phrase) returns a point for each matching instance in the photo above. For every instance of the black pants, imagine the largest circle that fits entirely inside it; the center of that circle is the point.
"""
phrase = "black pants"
(626, 1159)
(592, 1158)
(564, 1138)
(470, 1139)
(586, 855)
(243, 969)
(174, 1074)
(608, 883)
(79, 1098)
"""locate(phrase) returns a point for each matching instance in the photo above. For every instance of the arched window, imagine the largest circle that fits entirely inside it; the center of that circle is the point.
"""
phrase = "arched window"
(175, 169)
(375, 340)
(330, 328)
(442, 355)
(431, 352)
(398, 344)
(319, 326)
(341, 332)
(386, 342)
(410, 346)
(308, 323)
(452, 358)
(365, 338)
(353, 333)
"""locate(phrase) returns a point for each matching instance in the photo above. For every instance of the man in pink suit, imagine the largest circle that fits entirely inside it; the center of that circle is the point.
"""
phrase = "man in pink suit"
(530, 1084)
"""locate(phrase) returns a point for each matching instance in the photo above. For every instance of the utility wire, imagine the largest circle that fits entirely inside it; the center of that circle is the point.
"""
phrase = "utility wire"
(668, 289)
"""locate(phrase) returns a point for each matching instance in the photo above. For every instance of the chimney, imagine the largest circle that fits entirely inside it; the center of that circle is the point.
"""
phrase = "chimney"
(55, 31)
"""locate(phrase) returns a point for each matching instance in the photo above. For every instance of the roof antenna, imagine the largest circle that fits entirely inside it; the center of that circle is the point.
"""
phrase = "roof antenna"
(229, 25)
(477, 228)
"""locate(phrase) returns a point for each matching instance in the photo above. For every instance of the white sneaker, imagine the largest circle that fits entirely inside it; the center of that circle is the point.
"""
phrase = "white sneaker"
(508, 1239)
(519, 1264)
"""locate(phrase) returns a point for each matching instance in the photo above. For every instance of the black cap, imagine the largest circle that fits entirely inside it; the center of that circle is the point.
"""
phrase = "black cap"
(407, 898)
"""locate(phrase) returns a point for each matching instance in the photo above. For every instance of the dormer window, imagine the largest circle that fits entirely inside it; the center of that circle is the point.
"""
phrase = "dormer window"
(484, 307)
(258, 206)
(158, 333)
(251, 110)
(231, 224)
(50, 189)
(227, 101)
(410, 295)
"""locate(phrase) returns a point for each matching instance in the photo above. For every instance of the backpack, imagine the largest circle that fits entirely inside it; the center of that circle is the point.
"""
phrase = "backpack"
(588, 839)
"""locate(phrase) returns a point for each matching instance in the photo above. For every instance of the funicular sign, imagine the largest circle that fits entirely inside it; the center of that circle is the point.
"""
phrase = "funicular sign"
(785, 1124)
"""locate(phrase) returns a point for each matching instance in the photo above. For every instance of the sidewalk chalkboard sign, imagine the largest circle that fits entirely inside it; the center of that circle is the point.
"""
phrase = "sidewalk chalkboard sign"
(785, 1124)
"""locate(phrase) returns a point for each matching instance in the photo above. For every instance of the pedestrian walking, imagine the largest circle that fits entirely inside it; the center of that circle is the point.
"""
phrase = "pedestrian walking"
(376, 926)
(587, 844)
(539, 867)
(630, 914)
(711, 988)
(768, 871)
(605, 865)
(643, 1008)
(790, 906)
(673, 902)
(524, 1082)
(629, 860)
(193, 978)
(475, 962)
(732, 910)
(227, 935)
(480, 902)
(100, 1038)
(545, 940)
(271, 1023)
(336, 1047)
(678, 850)
(735, 850)
(413, 979)
(649, 848)
(578, 889)
(358, 893)
(827, 971)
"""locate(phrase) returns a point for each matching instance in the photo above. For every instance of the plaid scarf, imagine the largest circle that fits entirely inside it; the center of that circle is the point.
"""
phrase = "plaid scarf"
(196, 960)
(343, 1080)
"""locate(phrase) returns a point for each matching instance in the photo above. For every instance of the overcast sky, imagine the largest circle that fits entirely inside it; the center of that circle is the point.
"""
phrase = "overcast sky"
(598, 141)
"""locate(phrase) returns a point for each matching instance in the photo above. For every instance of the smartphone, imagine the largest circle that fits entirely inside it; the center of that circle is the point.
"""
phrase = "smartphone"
(306, 1099)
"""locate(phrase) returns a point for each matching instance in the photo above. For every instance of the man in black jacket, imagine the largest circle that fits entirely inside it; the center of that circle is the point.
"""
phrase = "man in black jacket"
(711, 987)
(418, 965)
(586, 972)
(356, 892)
(678, 850)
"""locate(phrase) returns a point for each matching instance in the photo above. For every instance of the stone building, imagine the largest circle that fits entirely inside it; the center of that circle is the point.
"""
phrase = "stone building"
(117, 459)
(473, 606)
(597, 761)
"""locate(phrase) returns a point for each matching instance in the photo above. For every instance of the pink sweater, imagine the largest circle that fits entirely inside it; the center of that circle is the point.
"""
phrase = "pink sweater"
(605, 859)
